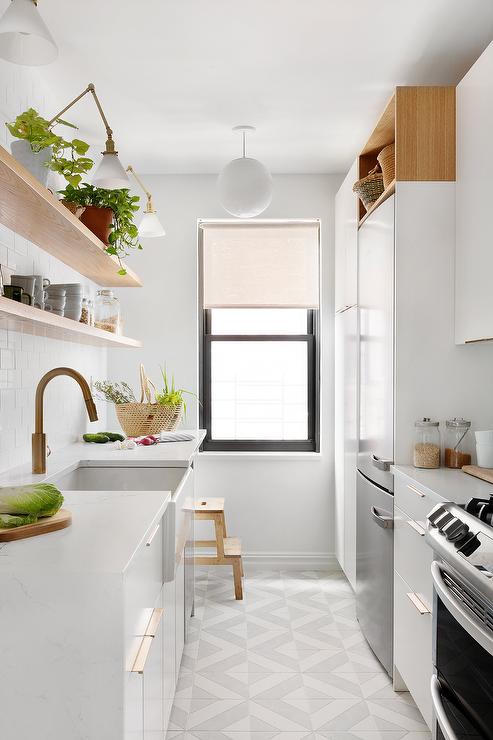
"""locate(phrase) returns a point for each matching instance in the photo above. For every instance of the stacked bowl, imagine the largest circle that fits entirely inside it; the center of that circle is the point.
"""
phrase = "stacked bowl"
(55, 299)
(73, 294)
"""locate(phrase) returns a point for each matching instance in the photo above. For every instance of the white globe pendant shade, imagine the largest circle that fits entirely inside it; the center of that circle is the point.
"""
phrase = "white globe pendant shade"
(110, 173)
(245, 184)
(151, 226)
(24, 36)
(245, 187)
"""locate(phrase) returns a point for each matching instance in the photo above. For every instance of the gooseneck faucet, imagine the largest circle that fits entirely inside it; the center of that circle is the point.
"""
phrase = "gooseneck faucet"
(39, 437)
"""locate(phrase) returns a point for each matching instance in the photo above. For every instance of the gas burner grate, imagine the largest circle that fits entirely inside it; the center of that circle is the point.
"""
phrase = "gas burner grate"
(474, 603)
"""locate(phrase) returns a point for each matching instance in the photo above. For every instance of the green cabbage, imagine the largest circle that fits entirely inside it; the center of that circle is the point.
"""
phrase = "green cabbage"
(25, 504)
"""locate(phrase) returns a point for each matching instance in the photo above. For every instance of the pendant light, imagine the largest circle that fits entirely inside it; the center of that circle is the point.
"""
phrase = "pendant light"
(150, 226)
(110, 173)
(24, 36)
(245, 184)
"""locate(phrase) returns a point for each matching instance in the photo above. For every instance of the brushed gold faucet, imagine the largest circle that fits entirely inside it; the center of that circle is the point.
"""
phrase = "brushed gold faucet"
(39, 437)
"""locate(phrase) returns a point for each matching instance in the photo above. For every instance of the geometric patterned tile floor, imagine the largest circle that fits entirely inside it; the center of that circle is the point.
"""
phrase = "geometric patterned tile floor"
(288, 662)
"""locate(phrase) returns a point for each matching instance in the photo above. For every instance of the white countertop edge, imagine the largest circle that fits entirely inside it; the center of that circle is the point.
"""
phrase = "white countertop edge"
(446, 483)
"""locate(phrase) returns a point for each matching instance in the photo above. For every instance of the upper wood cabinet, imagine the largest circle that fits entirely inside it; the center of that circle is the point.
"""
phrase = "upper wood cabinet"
(474, 241)
(346, 242)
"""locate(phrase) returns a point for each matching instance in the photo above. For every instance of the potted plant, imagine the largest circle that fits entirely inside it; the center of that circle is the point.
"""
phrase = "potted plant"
(40, 149)
(109, 214)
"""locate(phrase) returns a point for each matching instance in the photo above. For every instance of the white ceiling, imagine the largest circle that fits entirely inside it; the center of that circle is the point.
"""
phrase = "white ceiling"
(312, 75)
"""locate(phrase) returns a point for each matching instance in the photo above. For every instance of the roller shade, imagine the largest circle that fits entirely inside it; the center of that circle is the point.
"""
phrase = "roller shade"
(261, 265)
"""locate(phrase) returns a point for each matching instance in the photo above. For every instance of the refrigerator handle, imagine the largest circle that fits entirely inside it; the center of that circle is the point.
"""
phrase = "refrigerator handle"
(386, 520)
(381, 464)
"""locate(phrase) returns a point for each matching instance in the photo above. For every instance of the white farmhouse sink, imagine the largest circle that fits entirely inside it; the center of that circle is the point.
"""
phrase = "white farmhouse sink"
(99, 478)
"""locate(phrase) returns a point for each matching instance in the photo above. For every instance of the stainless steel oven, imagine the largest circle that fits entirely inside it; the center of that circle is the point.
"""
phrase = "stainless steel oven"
(462, 687)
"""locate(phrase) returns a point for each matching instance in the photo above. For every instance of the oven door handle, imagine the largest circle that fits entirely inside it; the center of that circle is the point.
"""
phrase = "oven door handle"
(439, 709)
(466, 619)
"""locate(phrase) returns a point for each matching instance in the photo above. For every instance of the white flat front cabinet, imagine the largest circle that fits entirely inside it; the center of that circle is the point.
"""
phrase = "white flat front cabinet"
(169, 647)
(153, 683)
(180, 611)
(474, 253)
(412, 645)
(346, 242)
(134, 707)
(346, 410)
(412, 556)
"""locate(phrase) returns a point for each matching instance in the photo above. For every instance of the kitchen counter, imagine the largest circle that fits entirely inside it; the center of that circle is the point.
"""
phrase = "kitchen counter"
(450, 485)
(164, 454)
(107, 529)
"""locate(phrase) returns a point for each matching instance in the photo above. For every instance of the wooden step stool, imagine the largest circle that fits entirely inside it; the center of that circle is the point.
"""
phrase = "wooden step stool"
(228, 549)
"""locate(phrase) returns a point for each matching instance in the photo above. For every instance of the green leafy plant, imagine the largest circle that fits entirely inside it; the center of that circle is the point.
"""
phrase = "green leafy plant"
(171, 396)
(68, 157)
(114, 392)
(124, 234)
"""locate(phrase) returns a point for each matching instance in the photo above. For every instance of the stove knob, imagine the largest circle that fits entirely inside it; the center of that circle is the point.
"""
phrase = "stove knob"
(470, 545)
(455, 530)
(439, 516)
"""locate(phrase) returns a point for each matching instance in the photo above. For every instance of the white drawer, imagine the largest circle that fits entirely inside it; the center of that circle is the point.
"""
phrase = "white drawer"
(412, 556)
(142, 586)
(412, 647)
(412, 498)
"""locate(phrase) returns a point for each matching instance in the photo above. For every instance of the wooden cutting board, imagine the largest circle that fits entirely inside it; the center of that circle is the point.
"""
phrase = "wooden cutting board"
(60, 520)
(483, 473)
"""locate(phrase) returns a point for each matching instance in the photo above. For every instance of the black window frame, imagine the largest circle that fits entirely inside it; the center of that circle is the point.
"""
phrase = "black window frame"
(312, 444)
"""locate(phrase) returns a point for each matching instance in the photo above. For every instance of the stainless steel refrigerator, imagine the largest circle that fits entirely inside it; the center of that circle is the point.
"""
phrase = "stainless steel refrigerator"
(374, 497)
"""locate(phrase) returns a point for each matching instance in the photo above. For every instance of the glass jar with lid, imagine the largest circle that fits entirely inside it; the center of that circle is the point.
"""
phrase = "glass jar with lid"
(455, 441)
(426, 452)
(107, 311)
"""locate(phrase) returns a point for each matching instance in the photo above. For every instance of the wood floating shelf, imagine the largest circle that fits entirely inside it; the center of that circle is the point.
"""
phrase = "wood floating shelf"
(29, 209)
(30, 320)
(386, 194)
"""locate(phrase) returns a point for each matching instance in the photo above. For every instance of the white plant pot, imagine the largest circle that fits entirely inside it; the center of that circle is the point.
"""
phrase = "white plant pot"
(34, 162)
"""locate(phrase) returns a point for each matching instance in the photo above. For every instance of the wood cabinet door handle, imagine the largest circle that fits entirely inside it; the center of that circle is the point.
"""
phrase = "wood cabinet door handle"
(416, 526)
(415, 490)
(418, 603)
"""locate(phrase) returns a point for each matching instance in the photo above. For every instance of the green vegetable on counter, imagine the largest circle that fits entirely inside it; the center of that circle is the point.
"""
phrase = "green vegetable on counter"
(114, 436)
(25, 504)
(98, 438)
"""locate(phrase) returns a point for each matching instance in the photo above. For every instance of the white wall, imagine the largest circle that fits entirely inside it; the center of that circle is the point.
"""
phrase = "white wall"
(24, 358)
(279, 505)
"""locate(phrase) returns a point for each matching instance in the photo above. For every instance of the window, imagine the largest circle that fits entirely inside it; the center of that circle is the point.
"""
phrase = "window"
(259, 349)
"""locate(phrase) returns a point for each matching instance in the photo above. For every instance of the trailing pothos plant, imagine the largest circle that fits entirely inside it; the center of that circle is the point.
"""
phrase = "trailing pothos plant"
(68, 156)
(124, 234)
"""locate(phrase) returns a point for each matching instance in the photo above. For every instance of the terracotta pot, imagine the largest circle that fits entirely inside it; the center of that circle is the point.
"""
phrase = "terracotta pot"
(74, 208)
(98, 220)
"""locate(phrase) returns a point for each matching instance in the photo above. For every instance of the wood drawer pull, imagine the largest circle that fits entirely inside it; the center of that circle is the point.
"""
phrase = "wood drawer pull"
(415, 490)
(152, 535)
(146, 642)
(154, 621)
(141, 659)
(417, 527)
(420, 605)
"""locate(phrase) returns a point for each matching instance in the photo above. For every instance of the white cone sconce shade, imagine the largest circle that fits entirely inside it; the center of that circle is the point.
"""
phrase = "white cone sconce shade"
(151, 226)
(24, 36)
(245, 184)
(110, 173)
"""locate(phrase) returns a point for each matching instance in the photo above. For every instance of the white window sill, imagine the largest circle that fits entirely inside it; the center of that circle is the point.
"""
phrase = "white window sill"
(256, 455)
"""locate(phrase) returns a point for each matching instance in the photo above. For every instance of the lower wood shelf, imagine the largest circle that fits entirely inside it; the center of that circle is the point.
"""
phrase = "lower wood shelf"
(19, 317)
(386, 194)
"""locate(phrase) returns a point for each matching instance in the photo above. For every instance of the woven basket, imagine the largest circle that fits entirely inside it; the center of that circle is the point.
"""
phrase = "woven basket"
(386, 160)
(369, 188)
(141, 419)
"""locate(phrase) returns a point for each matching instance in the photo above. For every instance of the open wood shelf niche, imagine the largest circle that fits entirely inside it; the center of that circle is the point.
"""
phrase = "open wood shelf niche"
(29, 209)
(421, 122)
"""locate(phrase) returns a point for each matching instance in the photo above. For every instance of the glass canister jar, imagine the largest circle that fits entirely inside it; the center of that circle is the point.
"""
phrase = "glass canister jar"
(455, 440)
(107, 311)
(426, 453)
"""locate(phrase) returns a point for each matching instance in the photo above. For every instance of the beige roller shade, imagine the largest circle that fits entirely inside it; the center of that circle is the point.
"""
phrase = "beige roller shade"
(261, 265)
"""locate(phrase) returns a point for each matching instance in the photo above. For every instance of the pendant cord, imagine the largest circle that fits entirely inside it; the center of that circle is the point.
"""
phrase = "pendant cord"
(244, 143)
